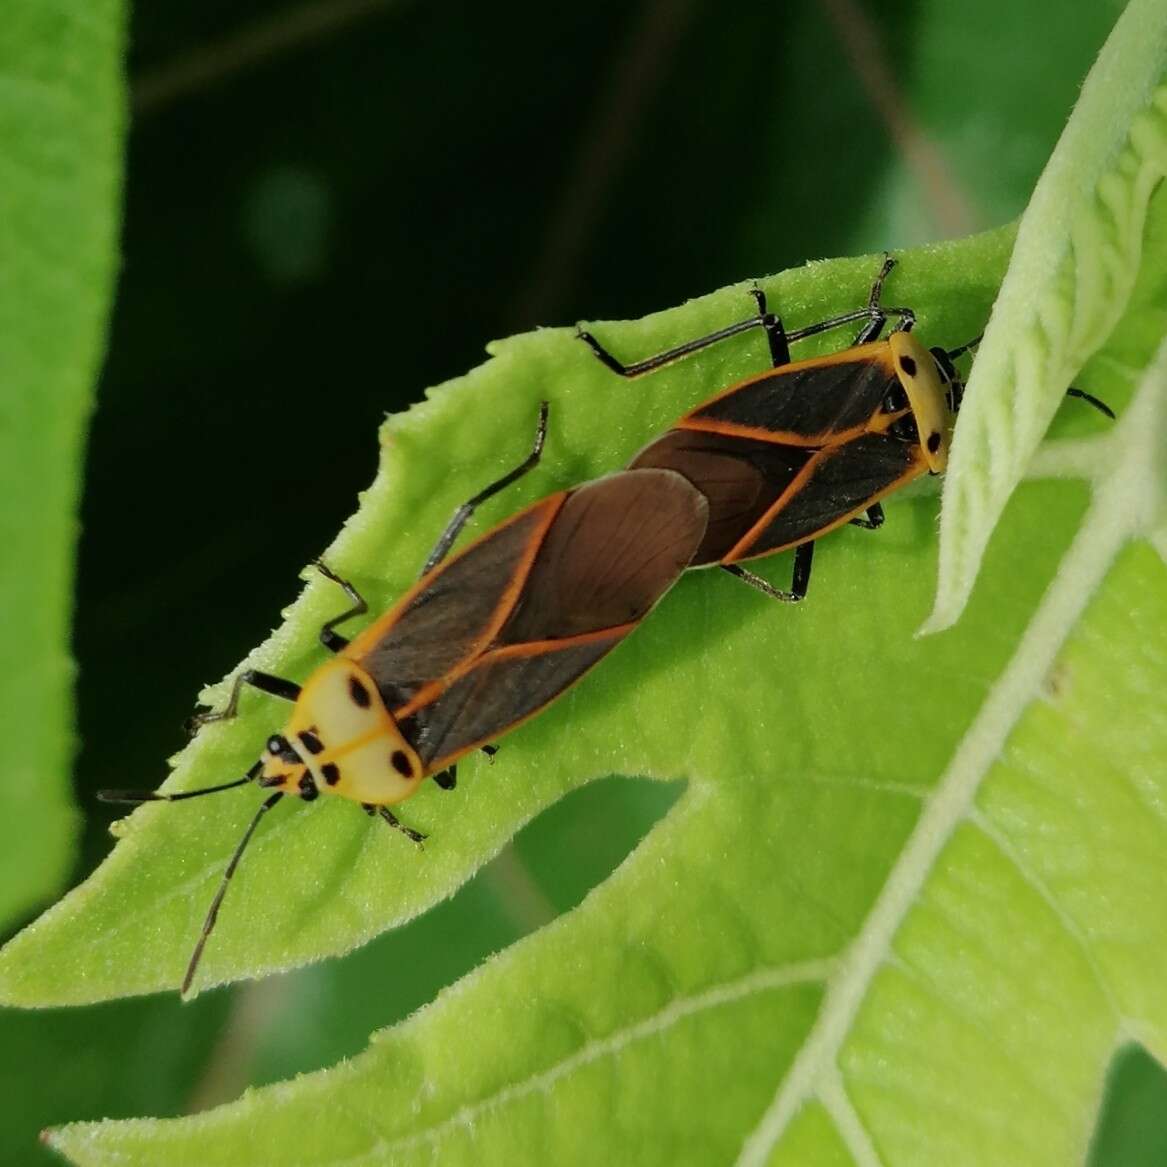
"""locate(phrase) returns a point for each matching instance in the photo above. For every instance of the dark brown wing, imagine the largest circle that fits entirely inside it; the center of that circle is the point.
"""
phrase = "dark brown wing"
(741, 478)
(614, 548)
(502, 690)
(456, 609)
(836, 484)
(813, 402)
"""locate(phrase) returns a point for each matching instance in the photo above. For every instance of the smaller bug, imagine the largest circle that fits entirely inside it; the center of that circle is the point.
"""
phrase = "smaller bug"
(790, 454)
(484, 640)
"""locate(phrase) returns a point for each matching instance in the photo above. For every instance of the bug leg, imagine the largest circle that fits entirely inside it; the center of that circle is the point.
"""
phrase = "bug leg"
(874, 326)
(875, 518)
(639, 368)
(489, 751)
(416, 836)
(775, 333)
(803, 558)
(333, 641)
(446, 779)
(264, 682)
(463, 513)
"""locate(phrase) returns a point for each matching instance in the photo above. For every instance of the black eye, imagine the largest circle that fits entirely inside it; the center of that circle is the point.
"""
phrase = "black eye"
(278, 747)
(896, 400)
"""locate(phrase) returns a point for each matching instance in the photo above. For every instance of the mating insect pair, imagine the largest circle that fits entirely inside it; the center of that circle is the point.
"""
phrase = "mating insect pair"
(490, 636)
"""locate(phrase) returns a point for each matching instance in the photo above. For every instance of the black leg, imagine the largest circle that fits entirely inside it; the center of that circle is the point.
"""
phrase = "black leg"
(803, 558)
(331, 640)
(489, 751)
(775, 333)
(446, 779)
(873, 314)
(416, 836)
(639, 368)
(463, 513)
(264, 682)
(875, 518)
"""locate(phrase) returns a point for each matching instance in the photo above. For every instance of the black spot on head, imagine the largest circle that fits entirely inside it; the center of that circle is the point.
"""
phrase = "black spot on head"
(908, 365)
(400, 762)
(311, 742)
(331, 772)
(933, 443)
(359, 693)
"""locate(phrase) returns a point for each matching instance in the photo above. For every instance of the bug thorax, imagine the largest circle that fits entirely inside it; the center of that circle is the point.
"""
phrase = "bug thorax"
(342, 740)
(924, 382)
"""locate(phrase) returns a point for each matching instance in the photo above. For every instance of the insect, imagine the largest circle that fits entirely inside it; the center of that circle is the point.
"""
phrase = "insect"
(483, 641)
(804, 447)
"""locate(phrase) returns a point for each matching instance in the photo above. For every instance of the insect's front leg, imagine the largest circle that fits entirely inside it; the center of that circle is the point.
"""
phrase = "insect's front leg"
(265, 682)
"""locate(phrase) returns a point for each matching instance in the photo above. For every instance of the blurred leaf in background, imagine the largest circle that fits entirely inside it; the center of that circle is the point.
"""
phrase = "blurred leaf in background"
(322, 222)
(61, 121)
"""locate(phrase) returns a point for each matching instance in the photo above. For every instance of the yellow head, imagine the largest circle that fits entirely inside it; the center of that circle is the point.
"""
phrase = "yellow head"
(932, 391)
(342, 740)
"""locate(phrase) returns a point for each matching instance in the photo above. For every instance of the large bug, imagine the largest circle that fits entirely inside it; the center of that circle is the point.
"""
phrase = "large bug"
(483, 641)
(804, 447)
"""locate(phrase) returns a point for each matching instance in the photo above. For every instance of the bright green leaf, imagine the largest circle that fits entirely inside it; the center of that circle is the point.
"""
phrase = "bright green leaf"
(60, 155)
(318, 880)
(1077, 257)
(951, 993)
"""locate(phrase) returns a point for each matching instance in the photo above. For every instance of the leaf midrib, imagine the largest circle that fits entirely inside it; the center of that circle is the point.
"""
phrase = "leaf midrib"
(1110, 521)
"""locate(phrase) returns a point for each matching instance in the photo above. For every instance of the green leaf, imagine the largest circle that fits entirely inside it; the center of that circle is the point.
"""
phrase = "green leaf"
(318, 880)
(1075, 264)
(951, 993)
(60, 154)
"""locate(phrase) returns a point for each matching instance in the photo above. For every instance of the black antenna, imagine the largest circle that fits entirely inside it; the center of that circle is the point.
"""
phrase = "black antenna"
(135, 797)
(213, 914)
(1090, 399)
(953, 353)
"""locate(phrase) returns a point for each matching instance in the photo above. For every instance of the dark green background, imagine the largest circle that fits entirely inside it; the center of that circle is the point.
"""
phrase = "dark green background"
(331, 207)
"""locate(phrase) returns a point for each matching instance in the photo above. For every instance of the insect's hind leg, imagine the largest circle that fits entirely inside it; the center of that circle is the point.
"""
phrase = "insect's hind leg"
(772, 325)
(875, 518)
(803, 559)
(462, 515)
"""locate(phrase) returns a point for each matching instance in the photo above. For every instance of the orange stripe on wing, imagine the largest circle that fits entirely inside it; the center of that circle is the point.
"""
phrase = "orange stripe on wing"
(512, 651)
(368, 637)
(741, 550)
(732, 429)
(435, 689)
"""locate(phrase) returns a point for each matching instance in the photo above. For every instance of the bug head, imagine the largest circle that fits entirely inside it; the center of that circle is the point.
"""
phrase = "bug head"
(341, 739)
(927, 386)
